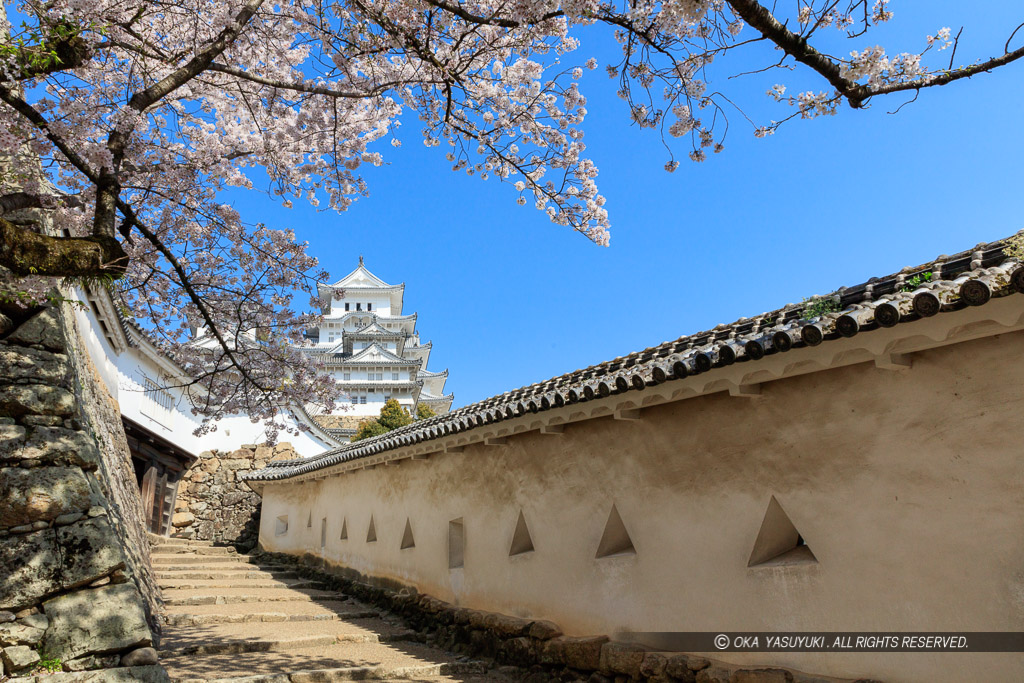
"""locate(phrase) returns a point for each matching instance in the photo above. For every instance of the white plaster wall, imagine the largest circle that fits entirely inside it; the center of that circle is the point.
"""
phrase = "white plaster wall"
(125, 374)
(381, 303)
(905, 485)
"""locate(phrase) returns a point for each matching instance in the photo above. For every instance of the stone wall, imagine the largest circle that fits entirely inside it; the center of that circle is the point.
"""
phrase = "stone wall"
(76, 586)
(212, 505)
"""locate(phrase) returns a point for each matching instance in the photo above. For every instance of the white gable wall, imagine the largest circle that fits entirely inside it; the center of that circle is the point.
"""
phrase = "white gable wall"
(165, 410)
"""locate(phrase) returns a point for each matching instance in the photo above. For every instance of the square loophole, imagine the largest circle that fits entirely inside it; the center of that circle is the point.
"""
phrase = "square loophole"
(456, 544)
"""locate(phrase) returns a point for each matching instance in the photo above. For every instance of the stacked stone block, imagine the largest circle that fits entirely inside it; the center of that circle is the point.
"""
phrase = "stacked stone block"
(213, 505)
(76, 592)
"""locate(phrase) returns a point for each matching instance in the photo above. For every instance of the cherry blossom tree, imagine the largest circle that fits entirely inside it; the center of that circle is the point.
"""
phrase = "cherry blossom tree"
(128, 120)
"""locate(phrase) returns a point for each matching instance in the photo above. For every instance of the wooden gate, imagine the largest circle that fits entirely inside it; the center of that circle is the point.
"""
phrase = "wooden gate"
(159, 466)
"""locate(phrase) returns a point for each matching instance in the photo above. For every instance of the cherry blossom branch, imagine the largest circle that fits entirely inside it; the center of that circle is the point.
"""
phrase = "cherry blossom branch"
(183, 280)
(795, 45)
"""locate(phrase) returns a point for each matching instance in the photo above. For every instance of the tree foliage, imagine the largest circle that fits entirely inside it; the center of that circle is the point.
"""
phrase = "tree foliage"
(423, 411)
(144, 112)
(392, 416)
(368, 428)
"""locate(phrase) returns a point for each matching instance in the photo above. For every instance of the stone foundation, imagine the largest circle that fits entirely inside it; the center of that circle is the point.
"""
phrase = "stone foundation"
(536, 645)
(76, 592)
(212, 505)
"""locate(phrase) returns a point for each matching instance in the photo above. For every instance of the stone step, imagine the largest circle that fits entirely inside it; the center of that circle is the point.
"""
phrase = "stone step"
(196, 618)
(169, 569)
(167, 540)
(241, 574)
(227, 596)
(160, 550)
(167, 559)
(348, 661)
(198, 584)
(243, 637)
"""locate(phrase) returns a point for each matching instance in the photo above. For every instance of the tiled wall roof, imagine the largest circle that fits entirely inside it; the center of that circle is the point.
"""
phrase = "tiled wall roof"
(970, 278)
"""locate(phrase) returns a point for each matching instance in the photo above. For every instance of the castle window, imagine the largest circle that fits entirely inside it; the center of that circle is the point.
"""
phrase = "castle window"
(369, 306)
(394, 375)
(346, 306)
(348, 375)
(359, 306)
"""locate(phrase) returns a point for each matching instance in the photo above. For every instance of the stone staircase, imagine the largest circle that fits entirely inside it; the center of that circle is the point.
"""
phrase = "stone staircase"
(230, 618)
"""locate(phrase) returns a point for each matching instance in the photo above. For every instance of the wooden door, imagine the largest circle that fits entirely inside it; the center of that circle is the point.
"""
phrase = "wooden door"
(149, 486)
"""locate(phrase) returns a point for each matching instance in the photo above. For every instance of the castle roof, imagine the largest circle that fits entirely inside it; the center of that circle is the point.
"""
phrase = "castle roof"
(360, 281)
(972, 278)
(377, 355)
(374, 329)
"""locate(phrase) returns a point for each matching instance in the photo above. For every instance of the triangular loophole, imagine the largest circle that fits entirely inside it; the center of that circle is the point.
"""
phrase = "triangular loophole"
(309, 522)
(778, 542)
(371, 533)
(407, 540)
(344, 529)
(521, 540)
(615, 540)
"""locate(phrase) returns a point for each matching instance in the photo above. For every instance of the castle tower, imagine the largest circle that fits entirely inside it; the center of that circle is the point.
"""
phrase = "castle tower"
(373, 351)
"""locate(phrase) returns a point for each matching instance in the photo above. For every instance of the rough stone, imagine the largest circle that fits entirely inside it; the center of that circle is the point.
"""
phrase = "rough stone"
(684, 667)
(6, 617)
(762, 676)
(715, 673)
(653, 664)
(54, 445)
(43, 328)
(42, 420)
(31, 564)
(622, 658)
(12, 439)
(544, 630)
(28, 631)
(42, 493)
(234, 498)
(144, 656)
(92, 662)
(18, 399)
(69, 518)
(506, 626)
(139, 674)
(108, 619)
(90, 550)
(575, 652)
(181, 519)
(517, 651)
(19, 365)
(19, 658)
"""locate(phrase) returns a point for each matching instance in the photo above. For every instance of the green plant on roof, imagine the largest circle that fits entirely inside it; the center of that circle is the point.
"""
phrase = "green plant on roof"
(817, 306)
(1015, 246)
(913, 283)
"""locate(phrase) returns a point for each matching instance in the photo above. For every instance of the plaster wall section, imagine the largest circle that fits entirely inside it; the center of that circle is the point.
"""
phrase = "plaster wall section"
(904, 485)
(128, 373)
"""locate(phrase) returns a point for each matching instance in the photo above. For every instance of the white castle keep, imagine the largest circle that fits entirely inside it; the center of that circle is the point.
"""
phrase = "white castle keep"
(373, 350)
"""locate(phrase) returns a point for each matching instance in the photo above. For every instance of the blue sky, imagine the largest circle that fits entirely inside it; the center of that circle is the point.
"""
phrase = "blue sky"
(510, 299)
